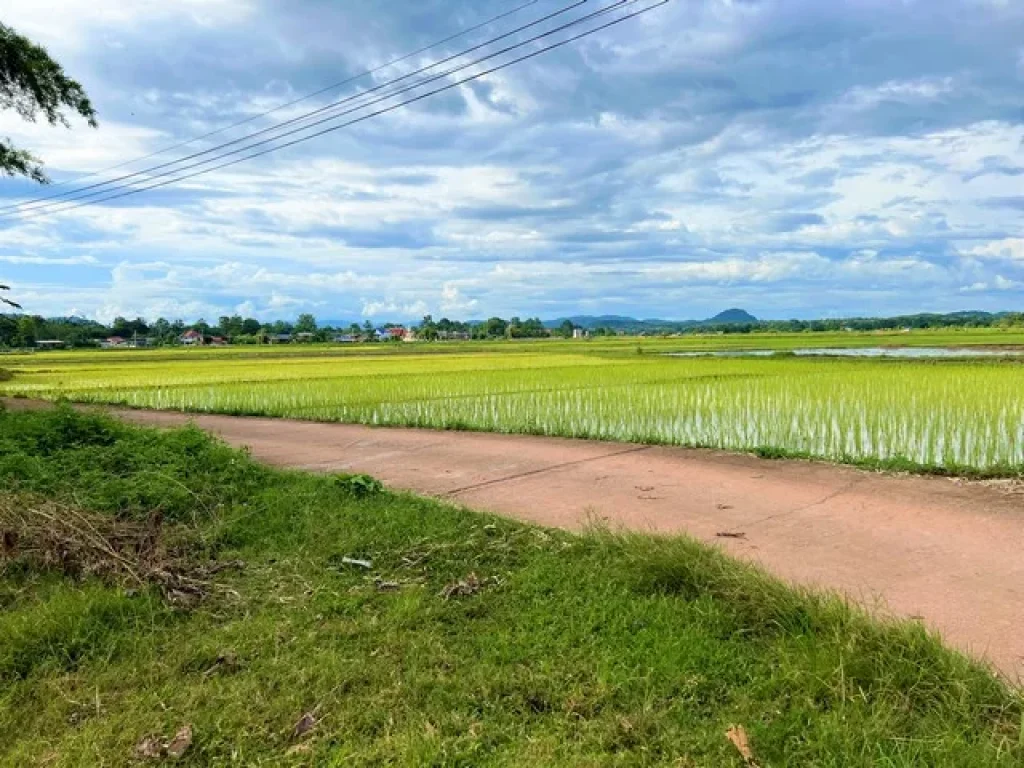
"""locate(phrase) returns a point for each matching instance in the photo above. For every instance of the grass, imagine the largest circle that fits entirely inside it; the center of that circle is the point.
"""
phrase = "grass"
(948, 416)
(470, 640)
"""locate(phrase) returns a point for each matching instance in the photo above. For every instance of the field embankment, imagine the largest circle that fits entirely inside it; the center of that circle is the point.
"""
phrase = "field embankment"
(349, 624)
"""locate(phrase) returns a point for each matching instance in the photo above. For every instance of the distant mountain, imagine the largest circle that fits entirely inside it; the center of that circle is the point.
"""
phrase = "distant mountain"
(622, 323)
(731, 316)
(615, 322)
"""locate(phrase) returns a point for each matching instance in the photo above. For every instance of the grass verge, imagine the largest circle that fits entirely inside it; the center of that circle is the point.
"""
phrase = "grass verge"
(370, 628)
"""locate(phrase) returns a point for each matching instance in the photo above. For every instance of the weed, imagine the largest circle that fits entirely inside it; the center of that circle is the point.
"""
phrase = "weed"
(100, 464)
(360, 485)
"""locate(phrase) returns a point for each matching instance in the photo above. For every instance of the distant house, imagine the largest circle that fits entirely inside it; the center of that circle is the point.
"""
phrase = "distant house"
(279, 338)
(580, 333)
(453, 335)
(112, 341)
(218, 341)
(191, 338)
(391, 334)
(345, 338)
(305, 336)
(50, 344)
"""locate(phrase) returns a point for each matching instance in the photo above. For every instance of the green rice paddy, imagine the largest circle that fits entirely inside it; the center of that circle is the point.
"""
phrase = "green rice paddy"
(949, 415)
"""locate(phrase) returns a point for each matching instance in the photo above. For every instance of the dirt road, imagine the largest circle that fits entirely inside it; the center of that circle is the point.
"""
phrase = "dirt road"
(947, 552)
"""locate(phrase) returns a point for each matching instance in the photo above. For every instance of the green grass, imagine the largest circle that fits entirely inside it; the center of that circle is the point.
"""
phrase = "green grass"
(576, 650)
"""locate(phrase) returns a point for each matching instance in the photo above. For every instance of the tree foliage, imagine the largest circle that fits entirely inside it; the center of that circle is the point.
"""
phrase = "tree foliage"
(305, 324)
(33, 84)
(5, 300)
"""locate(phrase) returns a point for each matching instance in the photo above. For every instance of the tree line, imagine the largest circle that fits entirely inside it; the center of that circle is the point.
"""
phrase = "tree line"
(24, 330)
(919, 321)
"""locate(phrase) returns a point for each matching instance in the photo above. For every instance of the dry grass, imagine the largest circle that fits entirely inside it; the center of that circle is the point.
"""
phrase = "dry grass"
(49, 535)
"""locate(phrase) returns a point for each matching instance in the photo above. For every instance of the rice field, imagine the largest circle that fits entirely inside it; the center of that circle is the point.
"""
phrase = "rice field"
(950, 415)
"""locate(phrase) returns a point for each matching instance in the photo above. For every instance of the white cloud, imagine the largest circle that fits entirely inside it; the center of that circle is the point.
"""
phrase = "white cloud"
(998, 283)
(1003, 284)
(715, 151)
(978, 287)
(453, 300)
(81, 149)
(246, 309)
(68, 24)
(1009, 248)
(390, 307)
(921, 90)
(68, 261)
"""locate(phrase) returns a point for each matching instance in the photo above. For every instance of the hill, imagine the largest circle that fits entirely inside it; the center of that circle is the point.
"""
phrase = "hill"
(632, 324)
(731, 316)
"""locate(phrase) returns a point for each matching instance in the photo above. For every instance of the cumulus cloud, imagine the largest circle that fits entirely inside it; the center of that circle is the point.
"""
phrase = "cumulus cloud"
(395, 309)
(797, 158)
(453, 300)
(1011, 248)
(998, 283)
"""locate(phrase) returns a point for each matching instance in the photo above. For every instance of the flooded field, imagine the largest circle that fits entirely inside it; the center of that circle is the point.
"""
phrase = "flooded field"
(847, 405)
(908, 353)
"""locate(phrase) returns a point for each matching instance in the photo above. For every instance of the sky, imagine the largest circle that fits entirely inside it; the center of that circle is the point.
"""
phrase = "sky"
(796, 158)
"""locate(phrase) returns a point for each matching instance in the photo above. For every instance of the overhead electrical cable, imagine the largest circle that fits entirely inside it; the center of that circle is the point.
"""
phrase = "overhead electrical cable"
(279, 107)
(419, 97)
(80, 193)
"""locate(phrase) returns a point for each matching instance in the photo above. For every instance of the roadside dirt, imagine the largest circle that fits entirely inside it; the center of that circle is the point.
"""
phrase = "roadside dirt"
(947, 552)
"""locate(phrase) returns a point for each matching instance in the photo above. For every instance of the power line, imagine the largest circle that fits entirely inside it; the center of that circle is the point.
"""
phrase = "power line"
(279, 107)
(57, 206)
(362, 118)
(77, 194)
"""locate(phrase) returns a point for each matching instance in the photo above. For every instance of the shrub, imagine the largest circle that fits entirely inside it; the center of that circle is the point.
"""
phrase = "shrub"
(359, 486)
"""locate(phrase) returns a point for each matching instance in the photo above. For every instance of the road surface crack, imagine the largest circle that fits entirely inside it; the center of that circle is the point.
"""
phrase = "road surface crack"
(824, 500)
(542, 470)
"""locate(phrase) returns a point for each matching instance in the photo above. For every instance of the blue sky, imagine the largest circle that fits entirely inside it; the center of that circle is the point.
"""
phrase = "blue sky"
(796, 158)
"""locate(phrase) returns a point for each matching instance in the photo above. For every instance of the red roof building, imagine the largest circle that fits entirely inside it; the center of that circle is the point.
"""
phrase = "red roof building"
(191, 336)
